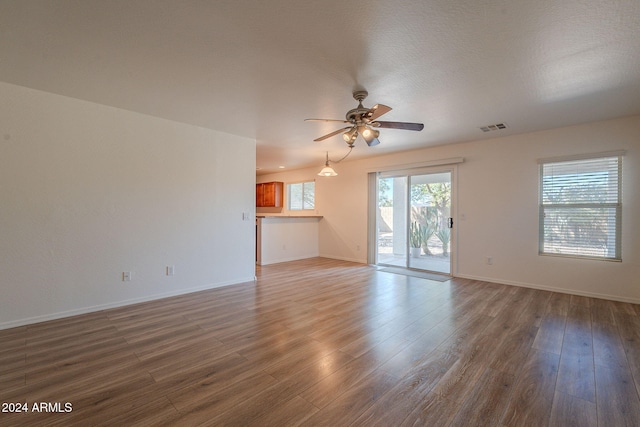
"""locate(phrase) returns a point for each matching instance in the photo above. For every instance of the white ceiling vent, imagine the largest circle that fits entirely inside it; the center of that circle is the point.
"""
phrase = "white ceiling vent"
(491, 128)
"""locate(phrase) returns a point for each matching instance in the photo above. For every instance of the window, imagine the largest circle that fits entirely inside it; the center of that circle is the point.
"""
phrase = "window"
(580, 207)
(301, 196)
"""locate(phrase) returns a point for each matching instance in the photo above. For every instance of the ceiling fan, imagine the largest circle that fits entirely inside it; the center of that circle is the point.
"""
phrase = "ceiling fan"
(363, 121)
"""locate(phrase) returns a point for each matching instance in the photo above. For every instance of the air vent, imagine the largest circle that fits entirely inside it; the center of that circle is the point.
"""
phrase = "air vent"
(491, 128)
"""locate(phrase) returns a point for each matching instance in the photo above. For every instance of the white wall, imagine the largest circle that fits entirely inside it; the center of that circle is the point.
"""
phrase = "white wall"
(498, 196)
(88, 191)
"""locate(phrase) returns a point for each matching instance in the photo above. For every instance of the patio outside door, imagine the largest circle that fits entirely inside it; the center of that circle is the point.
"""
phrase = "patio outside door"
(414, 221)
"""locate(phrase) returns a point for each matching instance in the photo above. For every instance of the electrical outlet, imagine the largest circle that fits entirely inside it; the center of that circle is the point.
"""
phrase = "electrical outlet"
(171, 269)
(126, 276)
(489, 260)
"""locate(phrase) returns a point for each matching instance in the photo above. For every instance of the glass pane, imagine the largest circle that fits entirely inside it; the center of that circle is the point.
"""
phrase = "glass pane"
(295, 196)
(580, 231)
(429, 232)
(392, 221)
(309, 194)
(581, 181)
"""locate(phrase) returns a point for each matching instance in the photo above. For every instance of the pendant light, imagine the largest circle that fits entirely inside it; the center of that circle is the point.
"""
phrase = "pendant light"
(327, 170)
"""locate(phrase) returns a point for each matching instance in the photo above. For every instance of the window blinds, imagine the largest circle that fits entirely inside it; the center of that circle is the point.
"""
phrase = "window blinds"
(580, 207)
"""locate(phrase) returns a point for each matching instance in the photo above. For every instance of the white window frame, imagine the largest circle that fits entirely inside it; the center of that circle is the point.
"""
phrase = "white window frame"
(289, 207)
(614, 204)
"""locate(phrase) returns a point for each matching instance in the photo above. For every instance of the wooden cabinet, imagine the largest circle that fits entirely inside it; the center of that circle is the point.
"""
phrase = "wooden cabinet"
(269, 194)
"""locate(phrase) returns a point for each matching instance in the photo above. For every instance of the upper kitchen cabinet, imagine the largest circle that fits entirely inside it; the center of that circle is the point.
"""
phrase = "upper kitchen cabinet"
(269, 194)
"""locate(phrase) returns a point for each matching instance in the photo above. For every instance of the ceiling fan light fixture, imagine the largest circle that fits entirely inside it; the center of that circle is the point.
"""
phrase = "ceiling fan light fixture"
(370, 134)
(350, 135)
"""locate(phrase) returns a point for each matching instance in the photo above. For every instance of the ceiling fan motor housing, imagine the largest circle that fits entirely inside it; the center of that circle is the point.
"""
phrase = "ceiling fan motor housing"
(355, 115)
(360, 95)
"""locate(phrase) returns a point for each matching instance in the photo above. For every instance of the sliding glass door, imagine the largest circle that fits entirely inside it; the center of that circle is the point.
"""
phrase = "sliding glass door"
(414, 221)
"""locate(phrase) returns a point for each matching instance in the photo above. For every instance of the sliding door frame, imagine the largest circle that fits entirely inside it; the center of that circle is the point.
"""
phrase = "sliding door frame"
(447, 166)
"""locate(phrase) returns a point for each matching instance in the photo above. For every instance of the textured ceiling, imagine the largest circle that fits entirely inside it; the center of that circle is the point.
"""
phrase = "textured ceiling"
(259, 68)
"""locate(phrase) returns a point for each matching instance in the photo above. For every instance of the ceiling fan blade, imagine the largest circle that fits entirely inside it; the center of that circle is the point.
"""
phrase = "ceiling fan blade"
(326, 120)
(329, 135)
(399, 125)
(377, 110)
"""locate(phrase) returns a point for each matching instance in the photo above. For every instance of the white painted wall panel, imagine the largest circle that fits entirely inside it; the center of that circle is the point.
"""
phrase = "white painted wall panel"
(287, 239)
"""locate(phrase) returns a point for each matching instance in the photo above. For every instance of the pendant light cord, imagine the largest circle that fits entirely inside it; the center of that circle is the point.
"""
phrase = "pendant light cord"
(338, 161)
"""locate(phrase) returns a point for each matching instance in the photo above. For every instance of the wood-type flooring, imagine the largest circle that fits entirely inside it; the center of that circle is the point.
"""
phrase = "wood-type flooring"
(321, 342)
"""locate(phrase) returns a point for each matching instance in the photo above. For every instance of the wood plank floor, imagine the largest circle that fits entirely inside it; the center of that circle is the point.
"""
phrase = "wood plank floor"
(324, 342)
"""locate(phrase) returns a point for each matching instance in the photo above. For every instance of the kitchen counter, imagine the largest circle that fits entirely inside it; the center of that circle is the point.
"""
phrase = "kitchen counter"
(288, 216)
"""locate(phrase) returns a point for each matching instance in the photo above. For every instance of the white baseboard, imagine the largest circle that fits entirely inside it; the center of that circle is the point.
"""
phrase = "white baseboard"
(85, 310)
(359, 261)
(551, 289)
(279, 260)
